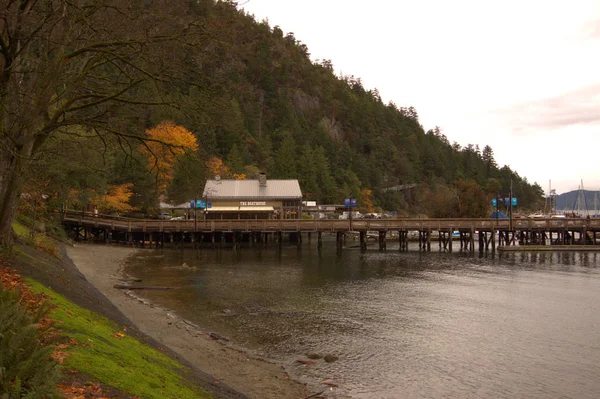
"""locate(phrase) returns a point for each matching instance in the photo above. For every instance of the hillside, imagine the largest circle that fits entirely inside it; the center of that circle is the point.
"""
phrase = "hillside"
(569, 201)
(252, 100)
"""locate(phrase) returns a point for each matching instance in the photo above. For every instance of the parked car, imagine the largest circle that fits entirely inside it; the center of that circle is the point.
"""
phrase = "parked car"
(164, 216)
(355, 215)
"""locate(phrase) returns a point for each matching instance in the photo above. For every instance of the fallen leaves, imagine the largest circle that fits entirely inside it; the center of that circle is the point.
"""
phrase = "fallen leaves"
(86, 391)
(10, 279)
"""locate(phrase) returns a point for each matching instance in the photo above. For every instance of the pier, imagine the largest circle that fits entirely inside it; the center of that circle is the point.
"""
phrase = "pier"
(447, 234)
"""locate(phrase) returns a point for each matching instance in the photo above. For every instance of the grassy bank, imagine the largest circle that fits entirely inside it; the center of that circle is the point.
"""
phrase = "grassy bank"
(93, 351)
(96, 347)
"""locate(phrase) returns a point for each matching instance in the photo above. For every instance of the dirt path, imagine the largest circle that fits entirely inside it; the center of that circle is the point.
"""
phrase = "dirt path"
(254, 377)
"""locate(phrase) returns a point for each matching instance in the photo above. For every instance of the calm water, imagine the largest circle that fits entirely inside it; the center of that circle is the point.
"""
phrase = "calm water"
(404, 325)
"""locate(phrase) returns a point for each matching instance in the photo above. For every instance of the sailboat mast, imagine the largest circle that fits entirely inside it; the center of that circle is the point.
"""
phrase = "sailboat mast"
(581, 201)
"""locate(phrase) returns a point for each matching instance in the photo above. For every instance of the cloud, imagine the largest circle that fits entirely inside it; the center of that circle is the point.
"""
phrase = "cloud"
(591, 30)
(574, 108)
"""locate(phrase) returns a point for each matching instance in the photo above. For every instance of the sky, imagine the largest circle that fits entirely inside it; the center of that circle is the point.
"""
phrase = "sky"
(522, 76)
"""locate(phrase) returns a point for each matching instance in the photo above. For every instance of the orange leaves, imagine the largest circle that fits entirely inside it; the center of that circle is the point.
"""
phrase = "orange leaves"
(88, 390)
(216, 167)
(117, 199)
(366, 199)
(9, 279)
(59, 355)
(166, 143)
(77, 391)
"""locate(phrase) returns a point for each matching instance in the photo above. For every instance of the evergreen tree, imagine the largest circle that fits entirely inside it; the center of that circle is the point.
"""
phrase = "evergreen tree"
(285, 162)
(324, 179)
(235, 161)
(308, 173)
(264, 153)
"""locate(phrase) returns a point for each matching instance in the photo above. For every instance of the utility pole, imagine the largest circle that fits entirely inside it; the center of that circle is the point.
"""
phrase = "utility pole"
(510, 215)
(350, 204)
(497, 205)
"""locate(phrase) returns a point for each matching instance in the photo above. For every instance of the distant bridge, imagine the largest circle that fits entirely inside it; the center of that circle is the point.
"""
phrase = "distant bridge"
(490, 233)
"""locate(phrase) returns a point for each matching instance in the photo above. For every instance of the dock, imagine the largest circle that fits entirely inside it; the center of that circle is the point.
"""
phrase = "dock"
(462, 234)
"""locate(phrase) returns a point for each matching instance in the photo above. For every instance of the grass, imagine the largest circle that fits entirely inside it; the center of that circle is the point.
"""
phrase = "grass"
(100, 350)
(40, 241)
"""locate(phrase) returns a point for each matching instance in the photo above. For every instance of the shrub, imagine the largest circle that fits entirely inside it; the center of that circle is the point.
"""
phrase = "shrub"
(26, 368)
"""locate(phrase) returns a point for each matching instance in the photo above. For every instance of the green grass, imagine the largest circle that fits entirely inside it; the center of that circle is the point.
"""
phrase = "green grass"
(40, 241)
(21, 230)
(121, 362)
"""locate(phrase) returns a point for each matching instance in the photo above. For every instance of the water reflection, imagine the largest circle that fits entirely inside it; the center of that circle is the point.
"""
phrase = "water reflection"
(402, 324)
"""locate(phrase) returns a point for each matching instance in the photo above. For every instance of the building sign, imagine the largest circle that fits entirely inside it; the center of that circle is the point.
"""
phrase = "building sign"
(253, 203)
(350, 202)
(200, 204)
(507, 201)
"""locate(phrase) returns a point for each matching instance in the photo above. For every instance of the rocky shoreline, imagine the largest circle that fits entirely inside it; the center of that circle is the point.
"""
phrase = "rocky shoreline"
(228, 366)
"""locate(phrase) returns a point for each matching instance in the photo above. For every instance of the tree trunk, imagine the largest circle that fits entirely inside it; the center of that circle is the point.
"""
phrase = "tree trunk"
(8, 206)
(12, 181)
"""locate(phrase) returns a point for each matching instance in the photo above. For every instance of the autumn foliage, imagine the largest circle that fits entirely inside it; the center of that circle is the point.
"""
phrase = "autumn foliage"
(366, 199)
(114, 199)
(11, 280)
(117, 198)
(166, 143)
(216, 167)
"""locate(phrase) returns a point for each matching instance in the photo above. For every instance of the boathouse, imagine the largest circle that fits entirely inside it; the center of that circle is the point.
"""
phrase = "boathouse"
(252, 199)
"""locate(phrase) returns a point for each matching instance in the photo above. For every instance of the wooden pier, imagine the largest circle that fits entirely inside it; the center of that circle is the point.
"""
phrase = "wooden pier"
(450, 234)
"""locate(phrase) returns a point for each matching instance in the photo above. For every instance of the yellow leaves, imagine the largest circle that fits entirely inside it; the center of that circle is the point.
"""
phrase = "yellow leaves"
(117, 198)
(240, 176)
(166, 143)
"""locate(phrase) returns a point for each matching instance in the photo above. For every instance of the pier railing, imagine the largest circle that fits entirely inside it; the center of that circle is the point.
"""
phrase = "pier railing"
(323, 225)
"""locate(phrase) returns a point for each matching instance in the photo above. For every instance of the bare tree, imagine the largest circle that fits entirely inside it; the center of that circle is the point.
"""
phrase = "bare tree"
(68, 65)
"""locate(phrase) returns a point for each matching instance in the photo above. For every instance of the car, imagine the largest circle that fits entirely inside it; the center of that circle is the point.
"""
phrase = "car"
(178, 218)
(164, 216)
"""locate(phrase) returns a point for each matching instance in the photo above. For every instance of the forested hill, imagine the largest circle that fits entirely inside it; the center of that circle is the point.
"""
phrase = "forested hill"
(253, 99)
(570, 201)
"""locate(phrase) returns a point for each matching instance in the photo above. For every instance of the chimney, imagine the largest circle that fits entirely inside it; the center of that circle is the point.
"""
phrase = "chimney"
(262, 180)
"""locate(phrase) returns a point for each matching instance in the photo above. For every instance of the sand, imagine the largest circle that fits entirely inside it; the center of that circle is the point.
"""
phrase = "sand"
(251, 375)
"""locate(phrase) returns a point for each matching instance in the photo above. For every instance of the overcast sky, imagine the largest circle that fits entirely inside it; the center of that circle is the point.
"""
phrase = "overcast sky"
(522, 76)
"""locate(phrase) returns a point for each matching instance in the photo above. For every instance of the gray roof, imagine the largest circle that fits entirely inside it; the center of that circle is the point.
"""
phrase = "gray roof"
(250, 189)
(164, 205)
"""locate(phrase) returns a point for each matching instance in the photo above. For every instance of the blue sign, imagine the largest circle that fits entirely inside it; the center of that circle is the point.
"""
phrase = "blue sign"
(350, 202)
(507, 201)
(200, 204)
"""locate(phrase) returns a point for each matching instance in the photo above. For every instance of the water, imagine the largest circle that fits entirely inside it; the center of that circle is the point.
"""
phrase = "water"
(403, 325)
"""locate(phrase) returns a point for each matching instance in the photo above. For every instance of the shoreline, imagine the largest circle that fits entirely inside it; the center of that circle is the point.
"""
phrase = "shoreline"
(253, 376)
